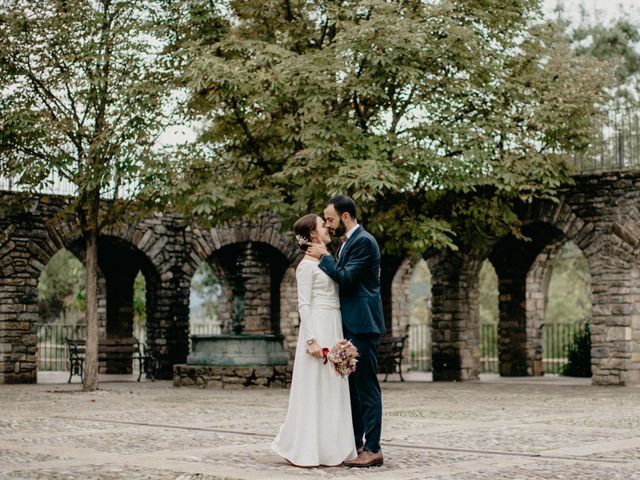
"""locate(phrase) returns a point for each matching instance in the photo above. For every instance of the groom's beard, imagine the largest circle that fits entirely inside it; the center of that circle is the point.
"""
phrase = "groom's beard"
(340, 230)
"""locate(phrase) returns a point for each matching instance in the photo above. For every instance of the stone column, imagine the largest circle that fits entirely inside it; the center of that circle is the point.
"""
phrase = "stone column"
(455, 317)
(401, 308)
(512, 325)
(168, 321)
(289, 317)
(615, 324)
(19, 273)
(18, 334)
(389, 265)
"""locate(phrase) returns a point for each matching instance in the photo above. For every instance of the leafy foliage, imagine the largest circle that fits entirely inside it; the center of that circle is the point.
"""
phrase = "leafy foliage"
(617, 43)
(569, 290)
(205, 295)
(440, 114)
(84, 93)
(420, 294)
(139, 300)
(488, 294)
(85, 89)
(579, 355)
(61, 289)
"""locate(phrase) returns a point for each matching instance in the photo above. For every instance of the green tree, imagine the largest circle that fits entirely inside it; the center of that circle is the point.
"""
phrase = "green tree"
(206, 287)
(617, 43)
(569, 290)
(420, 294)
(140, 300)
(434, 116)
(488, 294)
(61, 289)
(84, 89)
(579, 355)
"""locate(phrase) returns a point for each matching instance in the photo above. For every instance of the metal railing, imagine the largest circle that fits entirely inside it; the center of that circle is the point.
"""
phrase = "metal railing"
(616, 147)
(420, 348)
(557, 339)
(489, 348)
(53, 185)
(52, 353)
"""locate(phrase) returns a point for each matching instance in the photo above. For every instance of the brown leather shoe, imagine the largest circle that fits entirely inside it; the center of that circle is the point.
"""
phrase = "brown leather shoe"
(366, 459)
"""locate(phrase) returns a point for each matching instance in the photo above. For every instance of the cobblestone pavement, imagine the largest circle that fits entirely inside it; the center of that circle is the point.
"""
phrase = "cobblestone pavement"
(543, 428)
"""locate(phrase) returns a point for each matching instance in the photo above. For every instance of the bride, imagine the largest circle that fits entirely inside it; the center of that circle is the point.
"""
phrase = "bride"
(317, 429)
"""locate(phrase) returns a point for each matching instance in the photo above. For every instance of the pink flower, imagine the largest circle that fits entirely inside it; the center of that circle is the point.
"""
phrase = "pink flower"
(343, 357)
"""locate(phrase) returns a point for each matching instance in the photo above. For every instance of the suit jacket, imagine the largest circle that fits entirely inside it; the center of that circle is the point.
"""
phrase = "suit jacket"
(357, 272)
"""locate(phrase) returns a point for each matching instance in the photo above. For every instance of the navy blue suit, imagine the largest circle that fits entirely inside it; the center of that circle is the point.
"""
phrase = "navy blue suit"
(357, 272)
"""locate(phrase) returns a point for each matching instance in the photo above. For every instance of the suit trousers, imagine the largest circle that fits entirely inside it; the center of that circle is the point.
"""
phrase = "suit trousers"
(364, 389)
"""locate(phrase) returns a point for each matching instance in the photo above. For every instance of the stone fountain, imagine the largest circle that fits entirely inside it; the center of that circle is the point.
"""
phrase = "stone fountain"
(247, 354)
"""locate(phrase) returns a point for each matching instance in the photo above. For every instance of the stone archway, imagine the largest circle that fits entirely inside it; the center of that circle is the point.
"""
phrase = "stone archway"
(512, 259)
(537, 286)
(264, 258)
(417, 352)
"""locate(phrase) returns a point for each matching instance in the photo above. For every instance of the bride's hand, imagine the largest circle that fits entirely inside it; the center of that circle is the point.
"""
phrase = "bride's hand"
(314, 350)
(316, 250)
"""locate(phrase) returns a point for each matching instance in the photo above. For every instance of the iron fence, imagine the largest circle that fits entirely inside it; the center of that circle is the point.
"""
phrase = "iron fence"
(489, 348)
(54, 185)
(52, 350)
(420, 347)
(616, 147)
(557, 339)
(52, 355)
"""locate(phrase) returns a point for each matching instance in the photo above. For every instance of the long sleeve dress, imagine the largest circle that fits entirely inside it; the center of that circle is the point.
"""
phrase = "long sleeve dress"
(317, 429)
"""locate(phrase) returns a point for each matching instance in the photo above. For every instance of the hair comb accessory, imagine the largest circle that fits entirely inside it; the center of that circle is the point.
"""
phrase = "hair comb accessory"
(301, 241)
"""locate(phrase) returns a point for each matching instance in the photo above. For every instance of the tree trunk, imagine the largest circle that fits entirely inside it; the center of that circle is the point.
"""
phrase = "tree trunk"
(91, 355)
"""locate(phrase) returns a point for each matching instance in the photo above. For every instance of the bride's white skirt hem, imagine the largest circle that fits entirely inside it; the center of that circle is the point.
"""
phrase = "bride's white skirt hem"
(307, 463)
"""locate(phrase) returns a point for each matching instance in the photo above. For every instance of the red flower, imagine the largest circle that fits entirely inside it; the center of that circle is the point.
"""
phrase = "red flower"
(325, 355)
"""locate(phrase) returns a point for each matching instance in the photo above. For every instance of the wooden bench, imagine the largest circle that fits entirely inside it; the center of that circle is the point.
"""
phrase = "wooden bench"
(390, 355)
(121, 351)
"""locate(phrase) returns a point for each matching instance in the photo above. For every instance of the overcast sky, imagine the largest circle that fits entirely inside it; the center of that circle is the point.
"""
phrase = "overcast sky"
(606, 9)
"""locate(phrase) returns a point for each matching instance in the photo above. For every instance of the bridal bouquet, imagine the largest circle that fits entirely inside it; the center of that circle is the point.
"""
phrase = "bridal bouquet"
(343, 356)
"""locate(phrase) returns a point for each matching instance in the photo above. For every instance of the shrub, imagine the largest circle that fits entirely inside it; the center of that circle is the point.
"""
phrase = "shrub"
(579, 355)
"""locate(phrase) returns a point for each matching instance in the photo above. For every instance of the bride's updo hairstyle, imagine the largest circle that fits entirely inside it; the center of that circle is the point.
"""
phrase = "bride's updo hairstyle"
(303, 228)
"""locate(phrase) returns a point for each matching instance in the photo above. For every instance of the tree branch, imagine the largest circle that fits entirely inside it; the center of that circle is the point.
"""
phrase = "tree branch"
(356, 106)
(253, 144)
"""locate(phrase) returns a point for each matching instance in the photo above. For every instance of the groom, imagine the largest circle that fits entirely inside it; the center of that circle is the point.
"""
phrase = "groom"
(357, 273)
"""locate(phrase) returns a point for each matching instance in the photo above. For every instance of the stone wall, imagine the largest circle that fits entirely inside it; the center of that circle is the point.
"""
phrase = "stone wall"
(600, 213)
(289, 317)
(162, 247)
(401, 304)
(231, 377)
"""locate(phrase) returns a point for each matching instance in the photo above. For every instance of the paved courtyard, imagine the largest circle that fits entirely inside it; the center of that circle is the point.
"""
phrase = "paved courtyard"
(544, 428)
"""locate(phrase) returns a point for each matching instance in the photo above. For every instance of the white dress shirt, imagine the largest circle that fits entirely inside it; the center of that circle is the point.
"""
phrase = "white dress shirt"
(349, 233)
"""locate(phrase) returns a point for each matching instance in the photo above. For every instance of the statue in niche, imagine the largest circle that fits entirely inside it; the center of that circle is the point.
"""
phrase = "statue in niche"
(237, 319)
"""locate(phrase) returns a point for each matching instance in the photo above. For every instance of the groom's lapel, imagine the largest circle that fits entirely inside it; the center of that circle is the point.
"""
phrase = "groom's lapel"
(348, 244)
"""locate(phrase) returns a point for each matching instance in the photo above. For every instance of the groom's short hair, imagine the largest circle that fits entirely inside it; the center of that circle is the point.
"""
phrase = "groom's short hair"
(342, 204)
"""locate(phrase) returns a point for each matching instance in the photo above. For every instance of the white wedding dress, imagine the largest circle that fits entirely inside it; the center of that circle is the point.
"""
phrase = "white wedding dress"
(317, 429)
